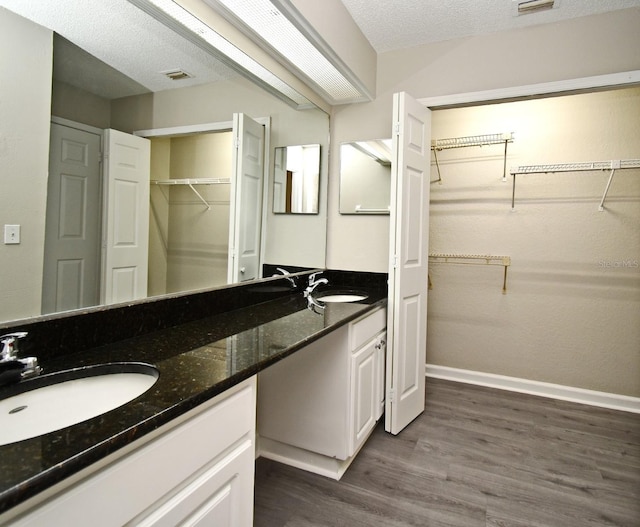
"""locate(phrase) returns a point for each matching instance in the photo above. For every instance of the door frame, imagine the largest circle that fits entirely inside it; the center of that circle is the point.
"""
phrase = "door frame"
(225, 126)
(540, 90)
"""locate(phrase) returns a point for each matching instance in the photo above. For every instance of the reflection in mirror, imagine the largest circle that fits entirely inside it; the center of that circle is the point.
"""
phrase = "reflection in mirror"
(180, 223)
(296, 179)
(189, 223)
(365, 177)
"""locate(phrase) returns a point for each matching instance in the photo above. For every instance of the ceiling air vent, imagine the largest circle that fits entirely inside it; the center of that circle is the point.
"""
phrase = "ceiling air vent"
(176, 75)
(524, 7)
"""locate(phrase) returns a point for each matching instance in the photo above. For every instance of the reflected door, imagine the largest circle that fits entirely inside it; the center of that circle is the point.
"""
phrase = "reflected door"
(126, 233)
(72, 236)
(246, 199)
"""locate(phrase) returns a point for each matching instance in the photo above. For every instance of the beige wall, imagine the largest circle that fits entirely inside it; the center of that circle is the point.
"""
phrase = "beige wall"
(579, 48)
(25, 101)
(570, 315)
(188, 243)
(196, 240)
(159, 216)
(80, 106)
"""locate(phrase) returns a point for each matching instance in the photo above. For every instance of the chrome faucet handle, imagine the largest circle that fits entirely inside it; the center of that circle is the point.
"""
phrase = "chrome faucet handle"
(10, 345)
(312, 277)
(287, 275)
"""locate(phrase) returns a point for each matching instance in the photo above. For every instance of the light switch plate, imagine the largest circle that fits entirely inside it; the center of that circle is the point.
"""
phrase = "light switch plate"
(11, 234)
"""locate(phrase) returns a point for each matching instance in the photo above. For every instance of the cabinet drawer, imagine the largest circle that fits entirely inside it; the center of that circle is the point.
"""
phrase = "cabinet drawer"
(367, 327)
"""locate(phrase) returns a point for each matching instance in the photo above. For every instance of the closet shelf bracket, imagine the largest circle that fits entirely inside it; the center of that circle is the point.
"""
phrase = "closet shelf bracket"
(191, 182)
(612, 166)
(472, 259)
(472, 140)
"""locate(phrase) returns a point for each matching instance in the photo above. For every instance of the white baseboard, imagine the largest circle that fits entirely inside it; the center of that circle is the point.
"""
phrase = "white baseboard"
(543, 389)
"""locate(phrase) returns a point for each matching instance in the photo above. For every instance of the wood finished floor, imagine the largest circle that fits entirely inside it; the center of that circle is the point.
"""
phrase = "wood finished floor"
(476, 457)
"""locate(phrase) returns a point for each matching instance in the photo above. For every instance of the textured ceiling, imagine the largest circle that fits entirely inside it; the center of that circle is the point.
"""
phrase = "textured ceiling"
(124, 39)
(397, 24)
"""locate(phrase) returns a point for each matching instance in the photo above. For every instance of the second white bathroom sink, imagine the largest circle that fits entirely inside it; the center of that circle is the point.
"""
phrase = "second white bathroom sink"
(341, 297)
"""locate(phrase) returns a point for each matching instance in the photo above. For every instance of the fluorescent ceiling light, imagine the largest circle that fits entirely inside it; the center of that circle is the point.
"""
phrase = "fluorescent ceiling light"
(278, 25)
(191, 27)
(378, 149)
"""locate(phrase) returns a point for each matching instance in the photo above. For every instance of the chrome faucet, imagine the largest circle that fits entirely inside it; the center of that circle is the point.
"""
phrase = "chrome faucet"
(287, 275)
(313, 283)
(26, 367)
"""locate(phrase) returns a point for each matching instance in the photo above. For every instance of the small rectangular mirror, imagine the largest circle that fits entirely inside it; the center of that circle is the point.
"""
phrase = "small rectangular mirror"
(365, 177)
(296, 179)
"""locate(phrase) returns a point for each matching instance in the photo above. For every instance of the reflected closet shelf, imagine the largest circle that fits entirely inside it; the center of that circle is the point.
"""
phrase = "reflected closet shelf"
(191, 182)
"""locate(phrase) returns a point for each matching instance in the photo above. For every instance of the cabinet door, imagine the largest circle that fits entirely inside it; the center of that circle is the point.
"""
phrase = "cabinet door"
(381, 358)
(364, 396)
(221, 496)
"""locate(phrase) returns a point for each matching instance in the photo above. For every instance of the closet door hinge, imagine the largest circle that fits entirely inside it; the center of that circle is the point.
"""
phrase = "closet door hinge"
(397, 128)
(391, 394)
(236, 143)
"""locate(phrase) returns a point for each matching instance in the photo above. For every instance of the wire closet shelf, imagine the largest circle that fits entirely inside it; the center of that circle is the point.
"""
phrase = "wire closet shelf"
(472, 140)
(591, 166)
(190, 182)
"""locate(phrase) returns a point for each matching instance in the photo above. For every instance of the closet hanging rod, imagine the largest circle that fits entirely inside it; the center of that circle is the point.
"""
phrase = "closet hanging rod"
(591, 166)
(473, 140)
(473, 259)
(191, 181)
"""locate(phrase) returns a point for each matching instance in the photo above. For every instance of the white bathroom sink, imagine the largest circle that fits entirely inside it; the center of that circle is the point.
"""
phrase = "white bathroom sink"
(52, 402)
(341, 297)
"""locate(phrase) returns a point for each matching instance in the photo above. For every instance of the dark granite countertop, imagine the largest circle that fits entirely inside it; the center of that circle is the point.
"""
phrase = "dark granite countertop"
(197, 360)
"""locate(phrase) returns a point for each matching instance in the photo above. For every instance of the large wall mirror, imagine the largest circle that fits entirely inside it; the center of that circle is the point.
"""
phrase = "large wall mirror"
(184, 254)
(365, 177)
(296, 179)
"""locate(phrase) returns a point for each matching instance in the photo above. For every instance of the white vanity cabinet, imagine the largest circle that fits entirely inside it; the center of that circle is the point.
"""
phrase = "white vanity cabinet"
(197, 472)
(317, 408)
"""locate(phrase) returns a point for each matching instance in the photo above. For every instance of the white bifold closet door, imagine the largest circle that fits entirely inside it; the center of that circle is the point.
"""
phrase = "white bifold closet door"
(126, 230)
(245, 222)
(409, 256)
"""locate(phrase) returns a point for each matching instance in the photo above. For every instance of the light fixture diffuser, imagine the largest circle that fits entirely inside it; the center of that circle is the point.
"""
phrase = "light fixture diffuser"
(282, 29)
(189, 26)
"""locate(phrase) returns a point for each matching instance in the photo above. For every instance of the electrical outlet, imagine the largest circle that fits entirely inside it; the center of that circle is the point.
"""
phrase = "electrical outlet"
(11, 234)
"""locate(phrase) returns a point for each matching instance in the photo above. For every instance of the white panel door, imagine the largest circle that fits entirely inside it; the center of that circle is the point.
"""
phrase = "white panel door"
(126, 232)
(409, 252)
(245, 223)
(71, 276)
